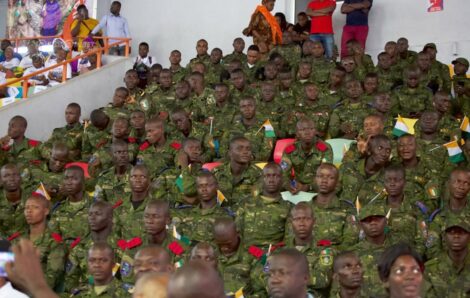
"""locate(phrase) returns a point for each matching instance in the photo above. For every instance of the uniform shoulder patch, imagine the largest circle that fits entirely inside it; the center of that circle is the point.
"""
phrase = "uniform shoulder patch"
(33, 143)
(321, 146)
(323, 243)
(14, 236)
(289, 149)
(144, 146)
(176, 248)
(326, 257)
(75, 242)
(57, 237)
(118, 203)
(131, 140)
(175, 145)
(255, 251)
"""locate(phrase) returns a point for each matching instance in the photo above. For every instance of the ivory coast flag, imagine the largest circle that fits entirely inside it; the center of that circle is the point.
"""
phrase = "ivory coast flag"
(42, 191)
(239, 293)
(268, 129)
(455, 153)
(220, 197)
(465, 128)
(181, 238)
(404, 126)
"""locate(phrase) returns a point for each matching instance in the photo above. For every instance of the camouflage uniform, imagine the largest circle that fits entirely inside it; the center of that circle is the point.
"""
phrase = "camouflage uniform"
(435, 157)
(291, 52)
(41, 173)
(178, 75)
(12, 216)
(346, 112)
(330, 98)
(68, 218)
(262, 220)
(114, 289)
(115, 112)
(110, 187)
(205, 59)
(238, 189)
(24, 153)
(130, 221)
(387, 79)
(234, 55)
(157, 160)
(409, 101)
(71, 135)
(94, 139)
(321, 68)
(105, 155)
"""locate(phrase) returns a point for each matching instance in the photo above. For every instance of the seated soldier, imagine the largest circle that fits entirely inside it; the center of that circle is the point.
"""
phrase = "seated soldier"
(260, 131)
(332, 93)
(301, 160)
(449, 272)
(165, 94)
(288, 49)
(411, 99)
(157, 145)
(347, 116)
(422, 180)
(449, 128)
(234, 262)
(333, 216)
(348, 276)
(215, 67)
(201, 95)
(201, 51)
(304, 73)
(371, 87)
(48, 241)
(12, 200)
(100, 264)
(389, 78)
(430, 77)
(288, 274)
(238, 177)
(196, 222)
(321, 66)
(262, 218)
(270, 105)
(95, 135)
(452, 201)
(317, 250)
(118, 107)
(52, 172)
(131, 208)
(20, 149)
(405, 57)
(71, 134)
(132, 81)
(253, 64)
(152, 258)
(371, 126)
(375, 239)
(238, 47)
(353, 70)
(177, 71)
(440, 68)
(100, 222)
(113, 183)
(102, 158)
(363, 179)
(204, 252)
(461, 84)
(224, 109)
(68, 215)
(355, 49)
(382, 106)
(151, 285)
(239, 87)
(182, 100)
(286, 94)
(137, 122)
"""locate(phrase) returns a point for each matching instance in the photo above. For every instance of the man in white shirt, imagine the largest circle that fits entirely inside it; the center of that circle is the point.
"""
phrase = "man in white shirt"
(116, 26)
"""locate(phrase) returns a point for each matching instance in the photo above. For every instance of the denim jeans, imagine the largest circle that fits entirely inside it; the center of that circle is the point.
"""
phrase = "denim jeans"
(327, 40)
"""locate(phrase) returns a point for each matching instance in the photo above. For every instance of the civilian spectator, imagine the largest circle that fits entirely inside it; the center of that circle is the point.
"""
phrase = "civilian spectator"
(38, 64)
(302, 28)
(55, 75)
(281, 20)
(82, 26)
(5, 44)
(33, 49)
(264, 28)
(357, 22)
(321, 12)
(10, 60)
(116, 26)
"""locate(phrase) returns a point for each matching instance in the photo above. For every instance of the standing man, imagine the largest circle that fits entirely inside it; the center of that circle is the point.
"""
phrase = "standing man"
(321, 14)
(357, 25)
(116, 26)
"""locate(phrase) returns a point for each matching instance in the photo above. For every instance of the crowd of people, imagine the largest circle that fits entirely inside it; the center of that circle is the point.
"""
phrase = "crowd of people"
(176, 187)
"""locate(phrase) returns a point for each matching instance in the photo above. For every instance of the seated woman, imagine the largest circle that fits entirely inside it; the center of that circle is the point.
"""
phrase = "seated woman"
(38, 64)
(87, 63)
(55, 75)
(10, 62)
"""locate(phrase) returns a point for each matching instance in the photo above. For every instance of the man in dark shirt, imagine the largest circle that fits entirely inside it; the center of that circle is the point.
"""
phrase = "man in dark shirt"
(357, 26)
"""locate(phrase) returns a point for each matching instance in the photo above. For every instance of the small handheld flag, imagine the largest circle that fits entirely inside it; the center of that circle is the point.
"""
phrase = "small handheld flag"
(268, 129)
(183, 239)
(220, 197)
(358, 206)
(41, 190)
(455, 153)
(179, 183)
(465, 128)
(404, 126)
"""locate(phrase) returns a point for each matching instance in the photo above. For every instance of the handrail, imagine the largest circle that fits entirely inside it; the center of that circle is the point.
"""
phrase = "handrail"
(98, 51)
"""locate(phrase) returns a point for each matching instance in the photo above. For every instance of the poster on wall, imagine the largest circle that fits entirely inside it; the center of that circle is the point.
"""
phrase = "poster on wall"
(436, 5)
(31, 18)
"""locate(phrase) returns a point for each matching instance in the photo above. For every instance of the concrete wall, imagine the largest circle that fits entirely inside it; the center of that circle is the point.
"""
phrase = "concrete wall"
(45, 110)
(3, 18)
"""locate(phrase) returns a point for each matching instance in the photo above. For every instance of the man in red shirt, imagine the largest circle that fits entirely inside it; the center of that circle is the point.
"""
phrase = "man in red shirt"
(321, 13)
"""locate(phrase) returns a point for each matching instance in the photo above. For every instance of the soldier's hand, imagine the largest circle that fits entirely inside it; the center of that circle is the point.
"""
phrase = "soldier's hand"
(362, 145)
(5, 140)
(25, 271)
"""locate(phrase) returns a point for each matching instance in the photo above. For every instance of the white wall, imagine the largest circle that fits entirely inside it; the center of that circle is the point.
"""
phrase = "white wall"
(45, 110)
(178, 24)
(3, 18)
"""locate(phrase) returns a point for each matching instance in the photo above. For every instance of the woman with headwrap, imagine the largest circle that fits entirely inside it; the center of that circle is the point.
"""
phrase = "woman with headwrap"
(264, 28)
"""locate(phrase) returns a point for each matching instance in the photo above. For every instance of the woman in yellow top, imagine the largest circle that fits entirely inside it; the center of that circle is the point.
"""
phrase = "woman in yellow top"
(82, 26)
(263, 27)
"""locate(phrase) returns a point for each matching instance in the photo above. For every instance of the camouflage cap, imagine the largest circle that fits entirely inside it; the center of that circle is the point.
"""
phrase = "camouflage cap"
(372, 210)
(457, 221)
(462, 61)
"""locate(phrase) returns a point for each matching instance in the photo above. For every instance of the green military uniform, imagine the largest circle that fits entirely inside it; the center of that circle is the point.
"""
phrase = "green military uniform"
(157, 160)
(70, 135)
(40, 173)
(350, 113)
(238, 189)
(196, 223)
(262, 220)
(320, 260)
(387, 78)
(130, 221)
(110, 187)
(237, 94)
(449, 127)
(409, 101)
(113, 290)
(12, 216)
(201, 101)
(162, 98)
(51, 254)
(105, 155)
(261, 143)
(335, 222)
(408, 60)
(447, 278)
(116, 112)
(432, 78)
(204, 59)
(76, 273)
(213, 73)
(24, 153)
(94, 139)
(329, 97)
(435, 156)
(178, 74)
(444, 73)
(290, 52)
(68, 218)
(234, 56)
(302, 166)
(321, 68)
